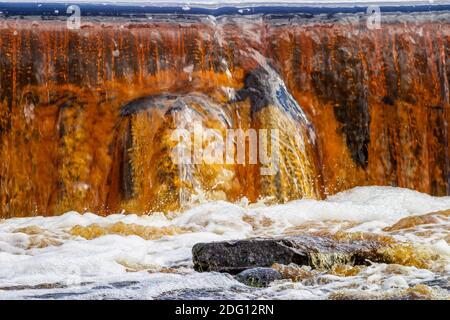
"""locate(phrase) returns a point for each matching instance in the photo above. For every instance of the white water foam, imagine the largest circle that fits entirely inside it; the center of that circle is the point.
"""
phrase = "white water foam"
(99, 262)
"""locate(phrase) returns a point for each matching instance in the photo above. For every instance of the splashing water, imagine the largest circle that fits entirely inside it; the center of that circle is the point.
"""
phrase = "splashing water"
(95, 135)
(87, 256)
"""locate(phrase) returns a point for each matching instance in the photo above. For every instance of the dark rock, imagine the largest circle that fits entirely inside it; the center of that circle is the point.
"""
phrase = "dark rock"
(258, 277)
(317, 252)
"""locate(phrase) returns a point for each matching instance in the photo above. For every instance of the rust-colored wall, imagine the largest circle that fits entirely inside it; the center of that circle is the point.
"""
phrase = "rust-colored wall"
(378, 101)
(384, 94)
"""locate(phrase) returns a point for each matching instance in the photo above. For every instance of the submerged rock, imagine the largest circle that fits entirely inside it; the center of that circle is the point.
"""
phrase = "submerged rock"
(317, 252)
(258, 277)
(417, 220)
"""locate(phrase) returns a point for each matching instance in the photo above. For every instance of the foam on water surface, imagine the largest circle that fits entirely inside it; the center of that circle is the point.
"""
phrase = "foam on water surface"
(57, 257)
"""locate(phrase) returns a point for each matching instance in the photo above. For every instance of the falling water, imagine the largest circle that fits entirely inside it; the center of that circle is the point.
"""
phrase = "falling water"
(88, 119)
(89, 113)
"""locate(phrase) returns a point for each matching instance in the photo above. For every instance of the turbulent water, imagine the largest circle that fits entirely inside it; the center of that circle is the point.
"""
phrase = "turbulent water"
(87, 256)
(87, 116)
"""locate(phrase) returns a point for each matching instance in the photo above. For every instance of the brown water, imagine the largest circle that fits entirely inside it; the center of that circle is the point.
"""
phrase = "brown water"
(85, 114)
(149, 256)
(86, 120)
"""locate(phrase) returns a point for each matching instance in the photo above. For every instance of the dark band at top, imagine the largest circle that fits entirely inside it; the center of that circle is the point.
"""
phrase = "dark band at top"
(140, 9)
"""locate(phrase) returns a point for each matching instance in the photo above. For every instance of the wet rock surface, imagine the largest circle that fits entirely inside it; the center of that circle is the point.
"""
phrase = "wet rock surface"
(87, 124)
(258, 277)
(318, 252)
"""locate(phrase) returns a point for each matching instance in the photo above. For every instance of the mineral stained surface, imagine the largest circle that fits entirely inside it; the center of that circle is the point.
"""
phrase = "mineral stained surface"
(86, 114)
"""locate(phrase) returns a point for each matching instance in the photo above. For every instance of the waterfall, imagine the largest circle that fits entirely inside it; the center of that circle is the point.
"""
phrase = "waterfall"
(86, 115)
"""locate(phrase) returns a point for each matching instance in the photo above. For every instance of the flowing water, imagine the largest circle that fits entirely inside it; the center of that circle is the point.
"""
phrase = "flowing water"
(87, 116)
(85, 256)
